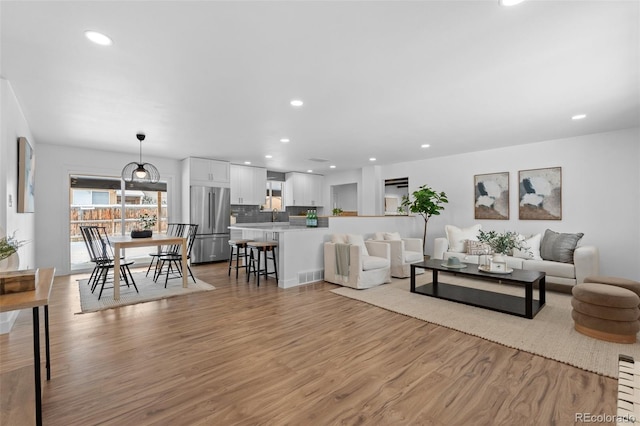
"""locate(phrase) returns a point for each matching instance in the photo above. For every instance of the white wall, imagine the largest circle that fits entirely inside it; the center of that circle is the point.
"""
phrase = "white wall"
(52, 193)
(600, 191)
(12, 126)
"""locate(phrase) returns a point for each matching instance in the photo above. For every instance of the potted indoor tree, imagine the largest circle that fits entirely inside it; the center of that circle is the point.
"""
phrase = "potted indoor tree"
(145, 224)
(426, 202)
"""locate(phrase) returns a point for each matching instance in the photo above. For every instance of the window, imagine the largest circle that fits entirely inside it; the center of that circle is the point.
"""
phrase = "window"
(99, 197)
(273, 198)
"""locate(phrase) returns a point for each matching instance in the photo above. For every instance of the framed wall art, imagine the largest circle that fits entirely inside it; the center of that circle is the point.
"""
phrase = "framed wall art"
(491, 196)
(540, 194)
(26, 171)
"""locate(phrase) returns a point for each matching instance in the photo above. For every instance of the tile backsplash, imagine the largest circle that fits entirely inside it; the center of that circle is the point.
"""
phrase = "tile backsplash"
(253, 214)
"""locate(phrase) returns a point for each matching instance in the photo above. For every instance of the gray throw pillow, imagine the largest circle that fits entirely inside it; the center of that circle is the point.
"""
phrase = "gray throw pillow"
(559, 247)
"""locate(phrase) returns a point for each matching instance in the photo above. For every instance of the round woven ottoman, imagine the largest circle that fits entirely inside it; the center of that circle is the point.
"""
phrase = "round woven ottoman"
(606, 312)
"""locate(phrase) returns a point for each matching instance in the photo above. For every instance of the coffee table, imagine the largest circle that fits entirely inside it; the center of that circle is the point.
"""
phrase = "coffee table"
(526, 306)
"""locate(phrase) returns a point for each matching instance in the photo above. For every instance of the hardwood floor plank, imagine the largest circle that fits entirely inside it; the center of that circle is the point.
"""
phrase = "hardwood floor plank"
(243, 355)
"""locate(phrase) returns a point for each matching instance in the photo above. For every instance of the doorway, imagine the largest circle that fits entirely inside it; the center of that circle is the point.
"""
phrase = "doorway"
(100, 201)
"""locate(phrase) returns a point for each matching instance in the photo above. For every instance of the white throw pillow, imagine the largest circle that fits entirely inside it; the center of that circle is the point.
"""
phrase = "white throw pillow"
(378, 236)
(476, 248)
(339, 238)
(458, 237)
(392, 236)
(357, 240)
(532, 250)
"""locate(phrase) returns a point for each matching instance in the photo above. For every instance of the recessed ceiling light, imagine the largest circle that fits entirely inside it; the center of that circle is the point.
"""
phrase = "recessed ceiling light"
(372, 159)
(284, 140)
(332, 166)
(425, 145)
(579, 116)
(98, 38)
(309, 171)
(297, 103)
(268, 156)
(510, 2)
(247, 162)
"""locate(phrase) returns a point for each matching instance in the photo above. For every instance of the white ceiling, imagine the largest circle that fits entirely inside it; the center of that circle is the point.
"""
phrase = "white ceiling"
(378, 78)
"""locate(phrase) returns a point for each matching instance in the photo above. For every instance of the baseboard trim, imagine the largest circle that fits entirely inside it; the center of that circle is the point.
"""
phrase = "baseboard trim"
(7, 319)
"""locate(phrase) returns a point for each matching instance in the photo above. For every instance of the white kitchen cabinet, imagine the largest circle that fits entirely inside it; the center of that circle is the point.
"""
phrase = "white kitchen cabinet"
(303, 189)
(248, 185)
(207, 172)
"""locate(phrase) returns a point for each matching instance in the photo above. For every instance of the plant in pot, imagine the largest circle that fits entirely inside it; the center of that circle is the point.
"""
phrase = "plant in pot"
(145, 224)
(502, 243)
(8, 246)
(337, 211)
(426, 202)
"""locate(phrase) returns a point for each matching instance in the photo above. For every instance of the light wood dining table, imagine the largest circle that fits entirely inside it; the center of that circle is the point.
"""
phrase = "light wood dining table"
(120, 242)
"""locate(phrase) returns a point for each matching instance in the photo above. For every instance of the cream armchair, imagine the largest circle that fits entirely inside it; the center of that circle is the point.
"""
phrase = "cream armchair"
(404, 252)
(350, 261)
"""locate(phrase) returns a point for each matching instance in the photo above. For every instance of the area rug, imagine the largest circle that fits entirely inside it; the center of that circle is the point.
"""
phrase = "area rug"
(148, 291)
(550, 334)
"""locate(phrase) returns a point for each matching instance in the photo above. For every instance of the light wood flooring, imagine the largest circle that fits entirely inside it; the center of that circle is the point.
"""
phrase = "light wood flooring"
(243, 355)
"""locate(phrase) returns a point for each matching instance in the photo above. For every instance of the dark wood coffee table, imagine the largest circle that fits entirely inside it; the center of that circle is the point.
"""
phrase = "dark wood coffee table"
(526, 306)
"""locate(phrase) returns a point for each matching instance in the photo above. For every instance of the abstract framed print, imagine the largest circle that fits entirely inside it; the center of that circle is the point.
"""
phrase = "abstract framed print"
(540, 194)
(491, 196)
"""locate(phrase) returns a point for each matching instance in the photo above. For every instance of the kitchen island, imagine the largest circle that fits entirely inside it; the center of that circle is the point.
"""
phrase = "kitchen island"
(301, 249)
(299, 253)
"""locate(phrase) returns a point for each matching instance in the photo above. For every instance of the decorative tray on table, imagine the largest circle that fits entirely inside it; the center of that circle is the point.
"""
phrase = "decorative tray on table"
(485, 268)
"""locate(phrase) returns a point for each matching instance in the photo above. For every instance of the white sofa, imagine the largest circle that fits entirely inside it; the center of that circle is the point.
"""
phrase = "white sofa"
(559, 276)
(404, 252)
(369, 262)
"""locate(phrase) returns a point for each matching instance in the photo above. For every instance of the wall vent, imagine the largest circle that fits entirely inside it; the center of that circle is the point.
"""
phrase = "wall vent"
(305, 277)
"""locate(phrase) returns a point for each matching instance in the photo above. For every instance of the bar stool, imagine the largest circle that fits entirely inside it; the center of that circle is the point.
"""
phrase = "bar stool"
(240, 247)
(260, 247)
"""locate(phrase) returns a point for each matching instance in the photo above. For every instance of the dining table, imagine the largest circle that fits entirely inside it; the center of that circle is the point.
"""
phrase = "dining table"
(120, 242)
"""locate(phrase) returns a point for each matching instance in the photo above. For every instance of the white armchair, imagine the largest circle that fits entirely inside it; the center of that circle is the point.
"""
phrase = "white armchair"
(404, 252)
(363, 264)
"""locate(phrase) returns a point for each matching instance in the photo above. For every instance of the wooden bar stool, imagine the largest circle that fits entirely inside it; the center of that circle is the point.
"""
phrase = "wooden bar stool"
(239, 248)
(260, 247)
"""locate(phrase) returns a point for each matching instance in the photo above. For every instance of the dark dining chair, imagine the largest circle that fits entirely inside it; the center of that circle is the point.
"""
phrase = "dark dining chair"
(173, 230)
(101, 253)
(171, 264)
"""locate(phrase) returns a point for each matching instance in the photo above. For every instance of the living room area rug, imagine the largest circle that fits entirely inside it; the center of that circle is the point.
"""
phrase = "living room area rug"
(549, 334)
(148, 291)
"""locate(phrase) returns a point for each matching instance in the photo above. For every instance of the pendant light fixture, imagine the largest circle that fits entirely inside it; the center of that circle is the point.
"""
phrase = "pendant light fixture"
(140, 172)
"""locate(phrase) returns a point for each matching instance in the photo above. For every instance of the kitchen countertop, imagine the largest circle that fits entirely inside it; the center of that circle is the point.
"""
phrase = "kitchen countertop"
(272, 227)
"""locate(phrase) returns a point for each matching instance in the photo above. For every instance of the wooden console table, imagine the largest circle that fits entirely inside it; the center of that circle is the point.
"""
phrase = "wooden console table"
(34, 299)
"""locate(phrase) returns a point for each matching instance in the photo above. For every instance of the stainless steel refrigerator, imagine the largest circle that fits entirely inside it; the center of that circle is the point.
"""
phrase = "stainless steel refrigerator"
(210, 209)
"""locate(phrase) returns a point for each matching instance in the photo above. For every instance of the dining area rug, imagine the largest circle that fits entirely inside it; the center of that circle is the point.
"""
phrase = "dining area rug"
(550, 333)
(148, 290)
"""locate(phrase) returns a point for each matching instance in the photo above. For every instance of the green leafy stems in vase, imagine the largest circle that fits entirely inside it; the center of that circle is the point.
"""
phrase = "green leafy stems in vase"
(502, 243)
(336, 211)
(9, 245)
(147, 221)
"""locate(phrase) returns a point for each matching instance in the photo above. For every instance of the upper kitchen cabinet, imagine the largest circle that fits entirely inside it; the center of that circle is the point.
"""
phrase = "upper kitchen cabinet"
(303, 189)
(207, 172)
(248, 185)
